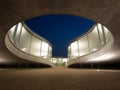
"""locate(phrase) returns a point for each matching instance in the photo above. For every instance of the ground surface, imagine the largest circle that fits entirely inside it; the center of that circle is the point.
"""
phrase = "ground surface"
(59, 78)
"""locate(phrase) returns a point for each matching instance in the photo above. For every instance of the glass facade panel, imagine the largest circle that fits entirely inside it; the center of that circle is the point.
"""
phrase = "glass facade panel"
(74, 49)
(25, 40)
(107, 33)
(35, 46)
(44, 50)
(83, 46)
(50, 52)
(17, 33)
(12, 32)
(94, 40)
(101, 33)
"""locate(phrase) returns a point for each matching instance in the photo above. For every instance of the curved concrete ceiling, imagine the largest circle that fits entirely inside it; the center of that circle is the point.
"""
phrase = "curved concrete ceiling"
(106, 12)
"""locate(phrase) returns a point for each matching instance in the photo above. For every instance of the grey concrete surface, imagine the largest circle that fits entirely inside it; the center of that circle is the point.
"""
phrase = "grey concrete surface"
(107, 12)
(59, 78)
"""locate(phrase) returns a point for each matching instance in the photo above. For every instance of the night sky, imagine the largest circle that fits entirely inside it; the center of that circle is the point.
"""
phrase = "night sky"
(59, 30)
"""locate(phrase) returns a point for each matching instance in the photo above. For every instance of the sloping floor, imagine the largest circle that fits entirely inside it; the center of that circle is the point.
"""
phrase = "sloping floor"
(59, 78)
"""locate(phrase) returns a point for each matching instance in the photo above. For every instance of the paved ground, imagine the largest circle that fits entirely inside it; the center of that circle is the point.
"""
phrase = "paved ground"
(59, 79)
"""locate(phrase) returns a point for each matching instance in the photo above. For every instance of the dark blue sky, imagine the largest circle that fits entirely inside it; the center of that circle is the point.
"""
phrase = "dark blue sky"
(59, 30)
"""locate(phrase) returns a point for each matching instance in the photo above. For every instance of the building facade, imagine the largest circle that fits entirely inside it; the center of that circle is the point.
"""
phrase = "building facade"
(14, 12)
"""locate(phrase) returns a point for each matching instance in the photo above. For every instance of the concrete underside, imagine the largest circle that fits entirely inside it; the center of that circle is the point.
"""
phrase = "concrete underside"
(59, 79)
(107, 12)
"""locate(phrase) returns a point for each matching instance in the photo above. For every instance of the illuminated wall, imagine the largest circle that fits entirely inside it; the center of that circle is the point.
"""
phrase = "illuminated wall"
(25, 40)
(93, 40)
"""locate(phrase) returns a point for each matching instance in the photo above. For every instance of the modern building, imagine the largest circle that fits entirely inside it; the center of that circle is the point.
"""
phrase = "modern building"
(24, 43)
(98, 45)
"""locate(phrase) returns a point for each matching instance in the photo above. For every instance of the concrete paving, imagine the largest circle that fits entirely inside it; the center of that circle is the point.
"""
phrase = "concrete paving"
(59, 78)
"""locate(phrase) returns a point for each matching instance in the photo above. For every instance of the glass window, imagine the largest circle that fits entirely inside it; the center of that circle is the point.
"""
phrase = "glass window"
(69, 52)
(35, 46)
(94, 41)
(107, 33)
(18, 33)
(101, 35)
(74, 49)
(12, 32)
(25, 39)
(83, 46)
(50, 52)
(44, 49)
